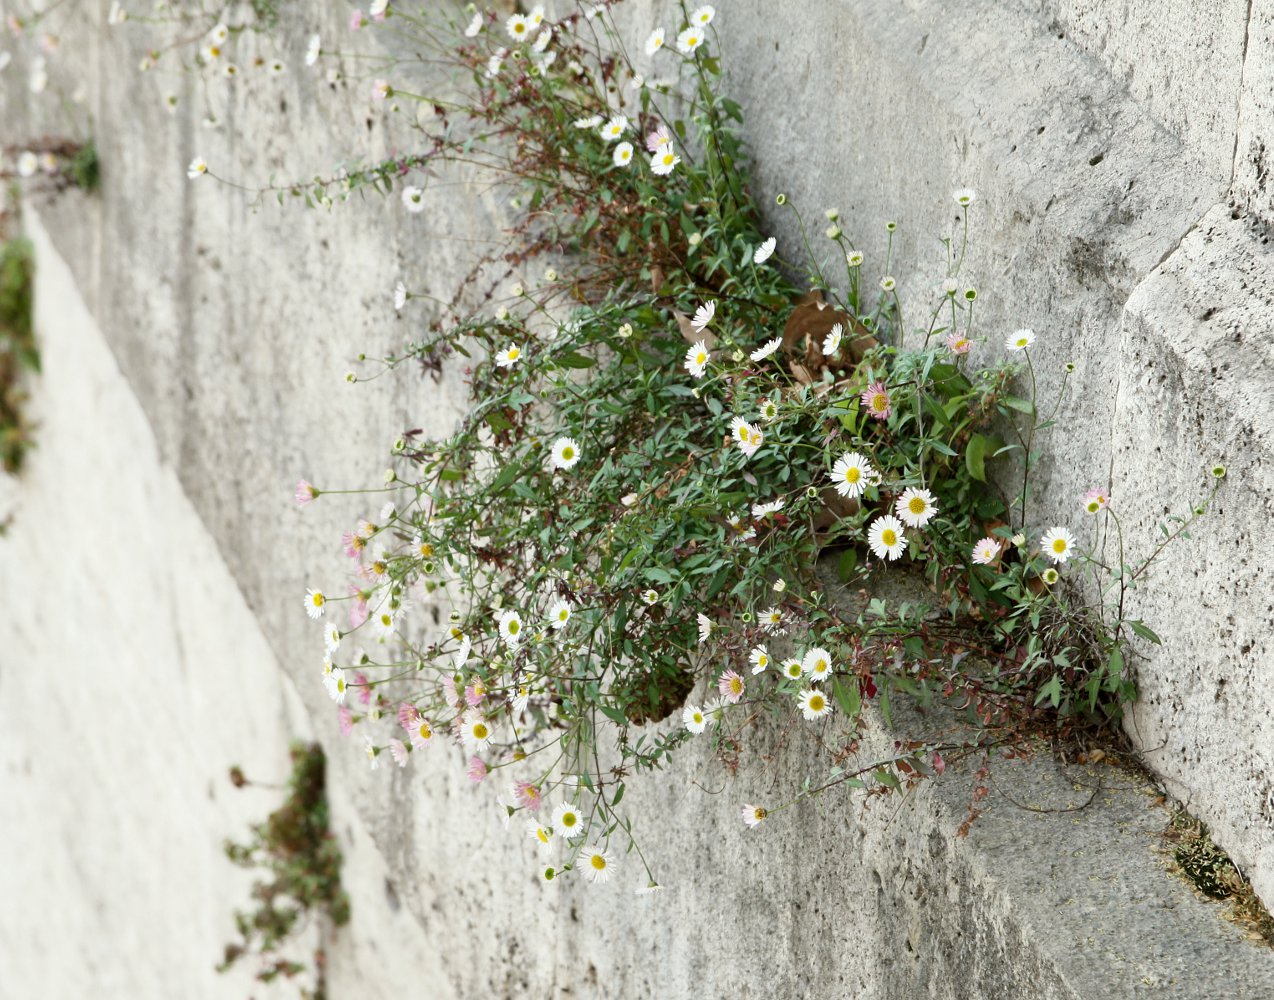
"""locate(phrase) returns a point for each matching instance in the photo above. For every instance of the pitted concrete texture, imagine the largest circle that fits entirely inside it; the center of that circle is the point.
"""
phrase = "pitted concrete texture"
(1095, 148)
(132, 676)
(1197, 388)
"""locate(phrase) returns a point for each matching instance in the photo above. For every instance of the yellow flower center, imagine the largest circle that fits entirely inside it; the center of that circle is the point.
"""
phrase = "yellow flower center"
(816, 703)
(514, 625)
(514, 354)
(889, 537)
(318, 600)
(736, 685)
(820, 666)
(426, 549)
(480, 731)
(880, 402)
(759, 813)
(692, 40)
(698, 717)
(598, 862)
(424, 731)
(568, 453)
(853, 474)
(701, 358)
(1059, 545)
(668, 159)
(917, 505)
(762, 660)
(568, 819)
(541, 835)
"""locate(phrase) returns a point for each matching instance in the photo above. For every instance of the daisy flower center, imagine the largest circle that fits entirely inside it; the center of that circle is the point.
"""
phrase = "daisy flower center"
(568, 819)
(425, 731)
(820, 666)
(759, 813)
(736, 686)
(879, 402)
(917, 505)
(540, 835)
(1059, 545)
(513, 627)
(700, 358)
(598, 862)
(480, 731)
(668, 157)
(817, 703)
(853, 474)
(889, 536)
(568, 453)
(698, 717)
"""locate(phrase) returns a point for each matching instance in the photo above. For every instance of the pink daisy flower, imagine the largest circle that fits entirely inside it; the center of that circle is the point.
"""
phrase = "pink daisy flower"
(986, 551)
(422, 733)
(958, 343)
(345, 719)
(527, 795)
(731, 687)
(305, 492)
(364, 689)
(1096, 500)
(353, 544)
(876, 398)
(477, 770)
(474, 693)
(357, 20)
(657, 139)
(449, 692)
(407, 715)
(398, 751)
(357, 610)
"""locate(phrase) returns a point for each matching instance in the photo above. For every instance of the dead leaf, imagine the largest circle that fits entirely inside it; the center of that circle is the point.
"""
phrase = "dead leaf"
(692, 335)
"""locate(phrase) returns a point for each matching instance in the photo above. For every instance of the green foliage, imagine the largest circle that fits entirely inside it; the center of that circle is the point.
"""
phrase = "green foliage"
(19, 353)
(300, 858)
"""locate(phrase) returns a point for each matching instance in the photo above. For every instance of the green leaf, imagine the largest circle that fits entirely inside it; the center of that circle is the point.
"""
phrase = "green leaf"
(1144, 630)
(571, 359)
(1019, 404)
(619, 794)
(975, 456)
(614, 714)
(850, 701)
(1052, 691)
(846, 565)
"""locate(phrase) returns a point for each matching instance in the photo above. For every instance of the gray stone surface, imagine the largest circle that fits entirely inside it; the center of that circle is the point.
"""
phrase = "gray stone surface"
(132, 676)
(1095, 154)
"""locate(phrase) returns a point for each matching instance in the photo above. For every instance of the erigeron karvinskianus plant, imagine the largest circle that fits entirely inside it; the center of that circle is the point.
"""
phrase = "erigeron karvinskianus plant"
(671, 418)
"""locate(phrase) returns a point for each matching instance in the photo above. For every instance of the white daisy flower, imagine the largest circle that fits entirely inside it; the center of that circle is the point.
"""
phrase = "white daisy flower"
(312, 49)
(703, 16)
(542, 835)
(509, 356)
(765, 251)
(886, 538)
(314, 603)
(792, 669)
(559, 613)
(413, 199)
(650, 596)
(332, 637)
(689, 40)
(831, 343)
(496, 62)
(623, 154)
(1057, 544)
(663, 161)
(769, 410)
(475, 730)
(697, 359)
(596, 864)
(759, 658)
(377, 7)
(765, 350)
(814, 704)
(703, 316)
(705, 627)
(520, 698)
(852, 474)
(817, 663)
(748, 437)
(474, 27)
(462, 654)
(760, 510)
(916, 507)
(510, 623)
(384, 621)
(542, 40)
(1019, 340)
(754, 815)
(568, 822)
(614, 128)
(400, 296)
(196, 169)
(518, 26)
(655, 42)
(771, 619)
(694, 719)
(964, 197)
(565, 453)
(592, 121)
(336, 686)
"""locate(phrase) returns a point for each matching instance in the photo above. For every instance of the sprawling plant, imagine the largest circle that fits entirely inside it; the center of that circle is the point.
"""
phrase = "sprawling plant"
(672, 418)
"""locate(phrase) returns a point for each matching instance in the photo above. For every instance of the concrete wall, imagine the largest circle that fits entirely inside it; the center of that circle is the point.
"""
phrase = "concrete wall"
(1106, 141)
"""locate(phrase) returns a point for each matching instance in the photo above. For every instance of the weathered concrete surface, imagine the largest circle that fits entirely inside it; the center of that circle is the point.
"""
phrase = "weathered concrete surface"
(132, 676)
(1197, 387)
(234, 328)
